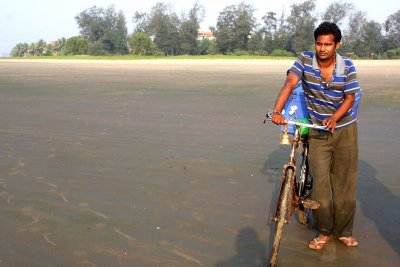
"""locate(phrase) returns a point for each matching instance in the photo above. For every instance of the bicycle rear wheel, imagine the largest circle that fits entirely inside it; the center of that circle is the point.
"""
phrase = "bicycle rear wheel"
(303, 189)
(285, 200)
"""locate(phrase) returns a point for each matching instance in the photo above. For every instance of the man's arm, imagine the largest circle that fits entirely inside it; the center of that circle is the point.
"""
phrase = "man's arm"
(331, 122)
(290, 83)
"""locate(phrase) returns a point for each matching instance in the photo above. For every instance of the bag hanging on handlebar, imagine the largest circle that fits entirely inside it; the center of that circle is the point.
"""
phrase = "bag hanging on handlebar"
(295, 108)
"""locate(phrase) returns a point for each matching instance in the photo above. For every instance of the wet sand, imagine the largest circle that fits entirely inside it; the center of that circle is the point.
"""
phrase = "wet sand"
(167, 163)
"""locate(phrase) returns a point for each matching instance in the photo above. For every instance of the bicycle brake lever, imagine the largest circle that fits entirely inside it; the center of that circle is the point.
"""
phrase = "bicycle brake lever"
(268, 116)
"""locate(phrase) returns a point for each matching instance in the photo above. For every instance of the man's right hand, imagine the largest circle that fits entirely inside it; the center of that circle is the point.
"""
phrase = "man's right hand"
(278, 118)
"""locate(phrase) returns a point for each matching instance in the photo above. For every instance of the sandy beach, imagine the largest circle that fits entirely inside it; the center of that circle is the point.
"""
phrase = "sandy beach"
(167, 163)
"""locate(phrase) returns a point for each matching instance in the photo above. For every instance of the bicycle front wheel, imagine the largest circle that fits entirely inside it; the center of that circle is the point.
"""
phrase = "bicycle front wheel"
(285, 200)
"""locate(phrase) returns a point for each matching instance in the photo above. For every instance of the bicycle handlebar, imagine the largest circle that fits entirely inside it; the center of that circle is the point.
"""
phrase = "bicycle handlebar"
(313, 126)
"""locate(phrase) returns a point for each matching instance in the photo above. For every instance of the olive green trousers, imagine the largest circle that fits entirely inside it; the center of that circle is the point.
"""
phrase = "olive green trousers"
(333, 159)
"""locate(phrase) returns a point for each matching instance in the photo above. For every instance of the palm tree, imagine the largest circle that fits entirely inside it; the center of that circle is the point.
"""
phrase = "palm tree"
(40, 47)
(24, 49)
(60, 44)
(31, 49)
(17, 50)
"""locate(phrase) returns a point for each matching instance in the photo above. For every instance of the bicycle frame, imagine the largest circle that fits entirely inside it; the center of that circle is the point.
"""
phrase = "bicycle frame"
(298, 183)
(292, 195)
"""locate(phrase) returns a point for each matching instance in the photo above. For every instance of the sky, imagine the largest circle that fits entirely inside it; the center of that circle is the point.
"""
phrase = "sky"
(27, 21)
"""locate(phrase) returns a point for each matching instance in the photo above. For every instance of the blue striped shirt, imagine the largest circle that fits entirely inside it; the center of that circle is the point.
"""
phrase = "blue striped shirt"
(324, 98)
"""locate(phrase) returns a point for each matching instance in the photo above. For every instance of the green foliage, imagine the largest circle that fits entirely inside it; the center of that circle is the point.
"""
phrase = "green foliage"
(392, 54)
(163, 26)
(34, 49)
(142, 45)
(189, 29)
(76, 46)
(238, 52)
(301, 26)
(59, 46)
(371, 39)
(161, 32)
(97, 49)
(255, 42)
(281, 53)
(392, 29)
(337, 11)
(49, 51)
(234, 27)
(206, 47)
(203, 46)
(105, 29)
(19, 50)
(352, 39)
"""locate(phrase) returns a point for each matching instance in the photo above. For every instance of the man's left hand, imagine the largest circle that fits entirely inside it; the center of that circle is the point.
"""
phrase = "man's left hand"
(330, 123)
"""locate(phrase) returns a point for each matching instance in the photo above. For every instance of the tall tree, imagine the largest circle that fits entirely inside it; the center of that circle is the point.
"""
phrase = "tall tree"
(301, 26)
(371, 44)
(269, 29)
(189, 29)
(40, 47)
(352, 38)
(392, 29)
(337, 11)
(256, 43)
(31, 49)
(20, 50)
(141, 21)
(282, 36)
(162, 25)
(105, 28)
(234, 27)
(60, 44)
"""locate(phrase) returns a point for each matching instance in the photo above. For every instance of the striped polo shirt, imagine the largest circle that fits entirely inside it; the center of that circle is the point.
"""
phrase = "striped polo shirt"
(324, 98)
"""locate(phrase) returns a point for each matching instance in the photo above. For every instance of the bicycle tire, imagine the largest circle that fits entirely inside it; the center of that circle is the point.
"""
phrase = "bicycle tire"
(284, 206)
(302, 212)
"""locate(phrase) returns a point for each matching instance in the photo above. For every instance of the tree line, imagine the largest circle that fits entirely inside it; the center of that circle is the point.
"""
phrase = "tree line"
(103, 31)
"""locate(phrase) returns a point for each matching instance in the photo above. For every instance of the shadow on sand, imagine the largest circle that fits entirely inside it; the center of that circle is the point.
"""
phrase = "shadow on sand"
(273, 170)
(379, 204)
(250, 251)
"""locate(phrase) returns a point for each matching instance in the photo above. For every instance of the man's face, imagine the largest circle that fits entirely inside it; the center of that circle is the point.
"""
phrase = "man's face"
(325, 47)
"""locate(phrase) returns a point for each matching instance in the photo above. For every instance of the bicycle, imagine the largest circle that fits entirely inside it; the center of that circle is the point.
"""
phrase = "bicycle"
(295, 189)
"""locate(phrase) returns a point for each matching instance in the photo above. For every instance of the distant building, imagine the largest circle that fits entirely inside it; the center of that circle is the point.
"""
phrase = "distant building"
(205, 34)
(52, 43)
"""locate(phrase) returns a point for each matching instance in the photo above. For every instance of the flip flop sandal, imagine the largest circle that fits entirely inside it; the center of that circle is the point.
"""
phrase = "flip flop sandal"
(348, 241)
(318, 243)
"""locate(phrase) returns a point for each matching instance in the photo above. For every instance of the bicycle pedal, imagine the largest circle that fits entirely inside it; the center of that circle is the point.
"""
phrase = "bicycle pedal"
(310, 204)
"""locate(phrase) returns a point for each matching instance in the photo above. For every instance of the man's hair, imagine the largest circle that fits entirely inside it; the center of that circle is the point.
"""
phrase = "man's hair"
(326, 28)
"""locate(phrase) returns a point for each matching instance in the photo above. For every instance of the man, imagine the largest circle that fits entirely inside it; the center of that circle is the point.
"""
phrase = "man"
(329, 83)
